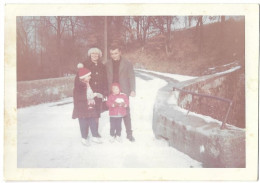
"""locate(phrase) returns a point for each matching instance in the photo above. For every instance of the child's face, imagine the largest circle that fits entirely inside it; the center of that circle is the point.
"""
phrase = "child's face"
(115, 90)
(86, 79)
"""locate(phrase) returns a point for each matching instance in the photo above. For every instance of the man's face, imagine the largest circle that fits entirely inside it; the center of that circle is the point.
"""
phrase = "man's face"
(115, 54)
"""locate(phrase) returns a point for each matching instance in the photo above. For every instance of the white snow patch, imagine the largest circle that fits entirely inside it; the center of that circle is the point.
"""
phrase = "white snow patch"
(174, 76)
(230, 70)
(173, 99)
(202, 149)
(207, 119)
(212, 68)
(55, 91)
(230, 63)
(49, 138)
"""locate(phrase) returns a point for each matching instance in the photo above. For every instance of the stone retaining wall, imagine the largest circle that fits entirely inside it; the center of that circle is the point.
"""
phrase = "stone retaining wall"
(194, 134)
(43, 91)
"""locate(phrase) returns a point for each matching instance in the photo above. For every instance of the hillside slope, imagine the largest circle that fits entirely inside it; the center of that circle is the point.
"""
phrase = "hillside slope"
(222, 44)
(223, 48)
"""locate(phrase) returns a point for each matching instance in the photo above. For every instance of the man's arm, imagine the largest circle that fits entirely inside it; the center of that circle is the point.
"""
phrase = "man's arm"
(132, 80)
(104, 81)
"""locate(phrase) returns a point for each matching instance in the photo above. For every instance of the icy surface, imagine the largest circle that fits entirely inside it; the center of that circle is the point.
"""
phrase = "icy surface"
(49, 137)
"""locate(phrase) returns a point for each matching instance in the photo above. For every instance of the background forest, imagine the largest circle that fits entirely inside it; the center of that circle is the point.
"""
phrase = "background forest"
(50, 47)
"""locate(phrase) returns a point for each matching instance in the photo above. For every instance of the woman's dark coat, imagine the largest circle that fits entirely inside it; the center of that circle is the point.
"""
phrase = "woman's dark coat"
(81, 107)
(98, 82)
(126, 75)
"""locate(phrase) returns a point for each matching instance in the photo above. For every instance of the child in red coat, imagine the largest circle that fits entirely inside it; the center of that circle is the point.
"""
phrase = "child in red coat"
(117, 103)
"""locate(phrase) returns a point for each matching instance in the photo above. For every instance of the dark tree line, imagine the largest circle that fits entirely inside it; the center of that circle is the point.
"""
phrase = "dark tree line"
(52, 46)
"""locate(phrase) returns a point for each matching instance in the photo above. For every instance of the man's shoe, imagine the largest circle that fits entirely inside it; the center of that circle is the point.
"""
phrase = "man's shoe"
(131, 138)
(118, 139)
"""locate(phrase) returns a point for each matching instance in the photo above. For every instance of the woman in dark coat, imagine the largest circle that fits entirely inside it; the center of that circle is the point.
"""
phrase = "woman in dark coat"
(98, 80)
(84, 106)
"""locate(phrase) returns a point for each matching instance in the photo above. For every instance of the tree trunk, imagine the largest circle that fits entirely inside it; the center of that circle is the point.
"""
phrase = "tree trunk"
(138, 29)
(60, 65)
(146, 25)
(105, 40)
(201, 41)
(223, 19)
(168, 35)
(222, 38)
(35, 35)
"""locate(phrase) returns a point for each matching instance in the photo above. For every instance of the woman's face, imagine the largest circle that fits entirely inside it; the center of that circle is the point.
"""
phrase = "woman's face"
(94, 56)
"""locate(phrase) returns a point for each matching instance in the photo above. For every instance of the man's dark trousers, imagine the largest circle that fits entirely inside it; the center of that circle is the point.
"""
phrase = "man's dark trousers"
(127, 121)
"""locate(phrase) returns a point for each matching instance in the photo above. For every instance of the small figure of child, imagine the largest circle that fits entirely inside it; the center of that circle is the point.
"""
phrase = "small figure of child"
(117, 103)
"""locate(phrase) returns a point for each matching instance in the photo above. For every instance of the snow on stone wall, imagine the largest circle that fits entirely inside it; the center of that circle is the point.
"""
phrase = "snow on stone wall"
(199, 135)
(45, 90)
(227, 86)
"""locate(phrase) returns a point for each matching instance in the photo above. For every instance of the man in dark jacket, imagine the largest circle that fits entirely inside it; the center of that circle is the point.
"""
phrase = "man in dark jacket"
(121, 71)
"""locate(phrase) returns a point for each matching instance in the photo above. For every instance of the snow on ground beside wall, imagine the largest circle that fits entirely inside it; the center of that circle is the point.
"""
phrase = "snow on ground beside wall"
(49, 138)
(174, 76)
(229, 70)
(207, 119)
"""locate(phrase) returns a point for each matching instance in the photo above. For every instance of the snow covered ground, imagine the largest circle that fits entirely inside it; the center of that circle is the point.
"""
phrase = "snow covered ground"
(49, 138)
(174, 76)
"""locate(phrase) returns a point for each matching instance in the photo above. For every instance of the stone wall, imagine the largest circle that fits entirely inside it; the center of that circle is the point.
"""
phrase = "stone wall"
(196, 135)
(43, 91)
(229, 86)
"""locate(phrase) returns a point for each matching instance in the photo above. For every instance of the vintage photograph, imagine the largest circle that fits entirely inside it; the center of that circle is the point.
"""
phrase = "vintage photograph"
(182, 78)
(135, 91)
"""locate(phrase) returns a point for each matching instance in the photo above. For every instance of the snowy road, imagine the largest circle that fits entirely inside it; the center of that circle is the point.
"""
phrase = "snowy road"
(49, 138)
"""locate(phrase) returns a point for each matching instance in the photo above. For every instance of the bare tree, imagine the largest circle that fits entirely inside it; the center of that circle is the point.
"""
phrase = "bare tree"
(200, 28)
(24, 47)
(58, 24)
(53, 45)
(137, 20)
(131, 35)
(164, 24)
(145, 25)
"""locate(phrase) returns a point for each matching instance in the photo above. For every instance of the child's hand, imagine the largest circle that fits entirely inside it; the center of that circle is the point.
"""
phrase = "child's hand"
(122, 104)
(91, 102)
(104, 99)
(119, 100)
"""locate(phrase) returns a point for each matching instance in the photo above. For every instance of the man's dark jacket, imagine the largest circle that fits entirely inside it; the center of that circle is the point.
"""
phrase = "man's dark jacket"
(126, 76)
